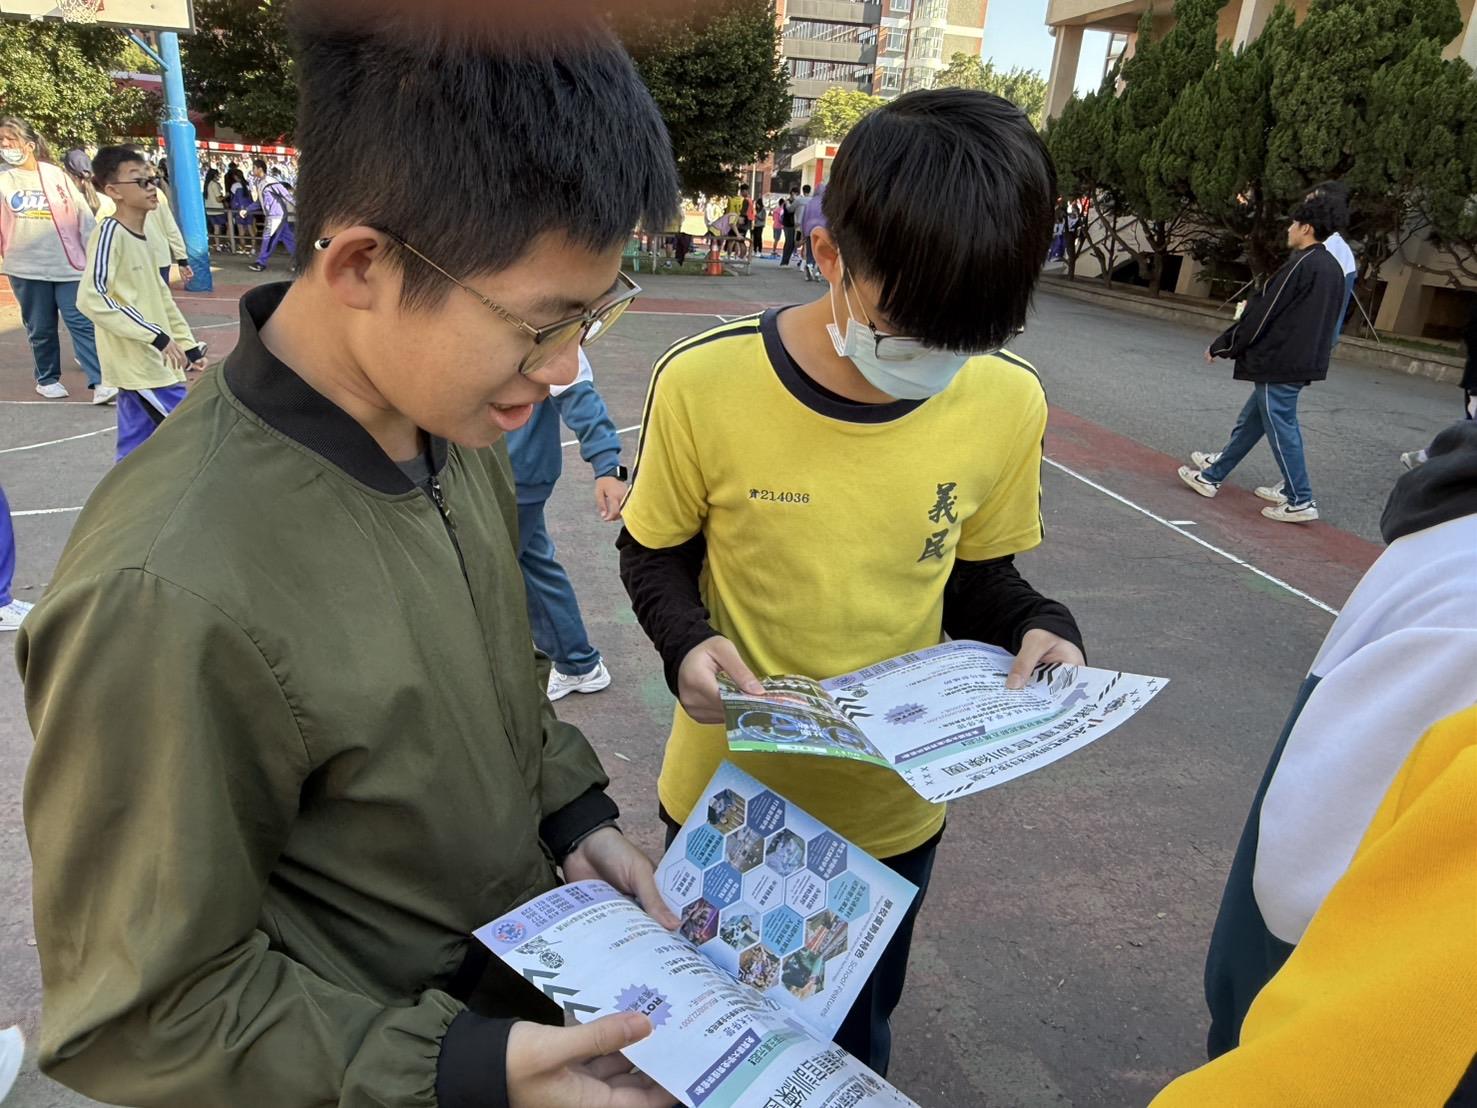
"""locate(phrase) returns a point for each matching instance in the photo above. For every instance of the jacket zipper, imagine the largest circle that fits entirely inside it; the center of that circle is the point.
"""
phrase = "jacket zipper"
(438, 498)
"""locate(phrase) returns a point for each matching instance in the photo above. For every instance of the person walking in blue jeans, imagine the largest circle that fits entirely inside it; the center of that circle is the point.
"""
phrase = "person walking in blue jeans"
(1281, 344)
(44, 224)
(538, 460)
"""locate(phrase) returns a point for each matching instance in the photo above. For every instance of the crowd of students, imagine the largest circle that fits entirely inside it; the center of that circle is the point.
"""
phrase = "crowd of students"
(258, 884)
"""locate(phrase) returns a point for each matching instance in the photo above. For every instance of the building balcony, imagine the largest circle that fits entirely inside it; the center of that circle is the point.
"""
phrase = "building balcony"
(820, 50)
(813, 88)
(834, 11)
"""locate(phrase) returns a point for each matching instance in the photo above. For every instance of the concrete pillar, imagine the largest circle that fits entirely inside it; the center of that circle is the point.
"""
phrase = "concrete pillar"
(1468, 39)
(1192, 280)
(1063, 79)
(1252, 19)
(1406, 303)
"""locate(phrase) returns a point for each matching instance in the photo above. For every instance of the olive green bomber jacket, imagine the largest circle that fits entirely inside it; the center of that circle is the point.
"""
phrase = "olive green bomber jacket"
(292, 746)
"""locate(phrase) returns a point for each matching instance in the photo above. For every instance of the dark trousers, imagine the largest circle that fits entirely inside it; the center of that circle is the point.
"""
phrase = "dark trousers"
(758, 239)
(40, 303)
(866, 1033)
(789, 246)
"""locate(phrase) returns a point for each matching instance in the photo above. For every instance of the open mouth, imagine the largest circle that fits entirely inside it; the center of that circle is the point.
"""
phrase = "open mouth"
(510, 417)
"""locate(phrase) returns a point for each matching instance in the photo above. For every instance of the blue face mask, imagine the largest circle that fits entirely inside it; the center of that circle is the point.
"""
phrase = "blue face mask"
(900, 367)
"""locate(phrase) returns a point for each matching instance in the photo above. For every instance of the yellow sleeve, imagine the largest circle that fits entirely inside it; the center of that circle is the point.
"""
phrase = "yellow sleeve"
(102, 295)
(668, 502)
(171, 229)
(1009, 520)
(1378, 1004)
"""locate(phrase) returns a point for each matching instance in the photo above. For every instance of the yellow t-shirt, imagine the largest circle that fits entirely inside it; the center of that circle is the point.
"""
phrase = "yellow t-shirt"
(831, 530)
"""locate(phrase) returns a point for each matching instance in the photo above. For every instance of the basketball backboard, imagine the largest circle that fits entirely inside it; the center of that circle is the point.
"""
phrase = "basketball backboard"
(146, 15)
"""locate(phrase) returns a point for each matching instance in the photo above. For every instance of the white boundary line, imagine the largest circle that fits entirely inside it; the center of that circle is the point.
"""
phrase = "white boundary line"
(619, 431)
(1179, 530)
(55, 442)
(46, 512)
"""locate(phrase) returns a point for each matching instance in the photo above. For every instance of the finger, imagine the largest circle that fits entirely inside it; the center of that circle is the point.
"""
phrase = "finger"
(647, 895)
(1026, 661)
(611, 1066)
(726, 655)
(632, 1095)
(572, 1045)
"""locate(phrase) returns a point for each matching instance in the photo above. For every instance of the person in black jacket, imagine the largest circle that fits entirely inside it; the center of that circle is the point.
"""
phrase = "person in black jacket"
(1281, 343)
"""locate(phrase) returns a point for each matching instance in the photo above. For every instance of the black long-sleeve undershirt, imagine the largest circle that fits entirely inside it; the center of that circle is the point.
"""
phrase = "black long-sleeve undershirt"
(986, 601)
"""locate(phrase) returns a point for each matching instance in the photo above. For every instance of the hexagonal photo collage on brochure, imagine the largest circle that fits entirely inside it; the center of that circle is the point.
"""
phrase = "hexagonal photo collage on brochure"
(778, 900)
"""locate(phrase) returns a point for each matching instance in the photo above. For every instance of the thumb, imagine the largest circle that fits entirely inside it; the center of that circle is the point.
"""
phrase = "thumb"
(1025, 662)
(727, 657)
(572, 1045)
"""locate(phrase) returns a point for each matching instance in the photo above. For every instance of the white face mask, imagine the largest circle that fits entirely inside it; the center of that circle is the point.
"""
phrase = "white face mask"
(898, 366)
(13, 155)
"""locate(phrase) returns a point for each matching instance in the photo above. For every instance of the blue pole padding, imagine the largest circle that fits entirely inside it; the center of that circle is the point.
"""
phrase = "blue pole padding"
(184, 165)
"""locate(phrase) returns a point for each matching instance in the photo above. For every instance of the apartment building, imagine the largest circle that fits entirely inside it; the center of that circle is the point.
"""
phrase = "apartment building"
(885, 48)
(1412, 301)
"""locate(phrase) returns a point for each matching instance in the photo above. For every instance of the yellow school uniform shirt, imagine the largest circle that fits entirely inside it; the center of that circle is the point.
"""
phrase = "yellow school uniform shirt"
(831, 530)
(132, 308)
(1377, 1005)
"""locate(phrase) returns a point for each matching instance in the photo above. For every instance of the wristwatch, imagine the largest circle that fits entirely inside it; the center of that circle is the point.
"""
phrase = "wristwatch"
(620, 473)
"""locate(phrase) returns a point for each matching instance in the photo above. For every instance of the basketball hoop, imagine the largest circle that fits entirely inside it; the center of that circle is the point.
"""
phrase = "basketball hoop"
(79, 11)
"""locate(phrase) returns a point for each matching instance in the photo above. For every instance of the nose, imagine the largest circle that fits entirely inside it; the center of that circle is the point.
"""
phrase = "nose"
(561, 369)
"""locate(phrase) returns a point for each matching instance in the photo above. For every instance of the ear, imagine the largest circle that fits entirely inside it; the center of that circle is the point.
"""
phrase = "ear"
(826, 254)
(355, 267)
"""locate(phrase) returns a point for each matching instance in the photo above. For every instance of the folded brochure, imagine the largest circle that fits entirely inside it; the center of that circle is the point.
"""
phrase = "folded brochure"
(782, 923)
(941, 718)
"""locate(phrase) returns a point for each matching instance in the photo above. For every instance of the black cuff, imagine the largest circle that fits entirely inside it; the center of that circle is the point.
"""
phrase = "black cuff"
(194, 353)
(675, 651)
(1059, 624)
(160, 341)
(182, 261)
(561, 830)
(472, 1069)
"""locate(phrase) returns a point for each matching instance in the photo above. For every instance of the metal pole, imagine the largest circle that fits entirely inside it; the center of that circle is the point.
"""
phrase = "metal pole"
(184, 165)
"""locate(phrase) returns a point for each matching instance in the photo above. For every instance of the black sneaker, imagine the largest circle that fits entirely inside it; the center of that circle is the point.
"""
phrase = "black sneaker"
(256, 267)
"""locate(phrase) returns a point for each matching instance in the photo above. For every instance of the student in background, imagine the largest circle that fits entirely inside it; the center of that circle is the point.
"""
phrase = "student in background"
(747, 547)
(144, 342)
(538, 460)
(44, 224)
(215, 209)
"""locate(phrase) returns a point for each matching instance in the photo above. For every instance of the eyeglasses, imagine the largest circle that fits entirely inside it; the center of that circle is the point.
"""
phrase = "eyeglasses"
(143, 182)
(550, 339)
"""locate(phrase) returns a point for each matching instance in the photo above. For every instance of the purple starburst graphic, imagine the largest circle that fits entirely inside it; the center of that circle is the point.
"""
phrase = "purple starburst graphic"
(646, 1000)
(904, 713)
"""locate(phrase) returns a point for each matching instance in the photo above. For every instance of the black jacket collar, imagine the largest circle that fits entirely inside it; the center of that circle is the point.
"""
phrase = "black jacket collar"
(287, 403)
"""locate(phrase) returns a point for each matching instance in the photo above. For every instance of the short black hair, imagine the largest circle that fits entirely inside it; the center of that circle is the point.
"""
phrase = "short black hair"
(109, 160)
(805, 189)
(957, 253)
(1321, 213)
(1337, 194)
(516, 135)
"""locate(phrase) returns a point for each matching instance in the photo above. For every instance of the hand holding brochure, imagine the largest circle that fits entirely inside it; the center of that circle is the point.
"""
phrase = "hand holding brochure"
(941, 718)
(782, 923)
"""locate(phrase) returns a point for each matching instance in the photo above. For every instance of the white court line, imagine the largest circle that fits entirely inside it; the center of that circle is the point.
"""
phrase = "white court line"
(54, 442)
(213, 326)
(684, 315)
(46, 512)
(619, 431)
(52, 403)
(1179, 530)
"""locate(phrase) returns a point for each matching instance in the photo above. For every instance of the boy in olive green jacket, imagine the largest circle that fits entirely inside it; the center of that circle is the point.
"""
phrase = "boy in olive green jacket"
(292, 744)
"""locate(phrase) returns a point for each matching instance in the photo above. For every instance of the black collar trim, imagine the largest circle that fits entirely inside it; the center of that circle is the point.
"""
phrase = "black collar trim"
(815, 396)
(285, 402)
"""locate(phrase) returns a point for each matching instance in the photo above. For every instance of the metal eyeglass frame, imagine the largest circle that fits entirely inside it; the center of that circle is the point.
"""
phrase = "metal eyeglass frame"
(549, 339)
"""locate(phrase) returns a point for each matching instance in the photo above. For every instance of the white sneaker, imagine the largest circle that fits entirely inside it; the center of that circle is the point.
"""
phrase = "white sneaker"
(1412, 459)
(54, 391)
(1274, 493)
(12, 1051)
(1201, 460)
(12, 614)
(1288, 513)
(104, 394)
(561, 685)
(1192, 478)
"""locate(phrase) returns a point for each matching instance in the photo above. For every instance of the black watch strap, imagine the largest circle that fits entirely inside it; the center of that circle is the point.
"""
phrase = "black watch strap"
(620, 473)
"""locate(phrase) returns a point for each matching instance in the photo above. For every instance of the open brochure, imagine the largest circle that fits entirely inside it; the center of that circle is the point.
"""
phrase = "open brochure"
(941, 718)
(782, 924)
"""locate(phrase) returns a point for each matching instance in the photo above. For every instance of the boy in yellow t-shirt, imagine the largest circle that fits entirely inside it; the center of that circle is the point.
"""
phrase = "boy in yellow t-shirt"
(825, 486)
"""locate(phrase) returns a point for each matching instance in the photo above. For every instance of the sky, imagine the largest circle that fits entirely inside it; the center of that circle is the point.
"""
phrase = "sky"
(1016, 35)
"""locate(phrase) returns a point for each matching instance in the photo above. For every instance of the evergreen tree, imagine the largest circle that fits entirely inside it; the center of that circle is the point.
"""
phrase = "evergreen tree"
(1025, 88)
(838, 110)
